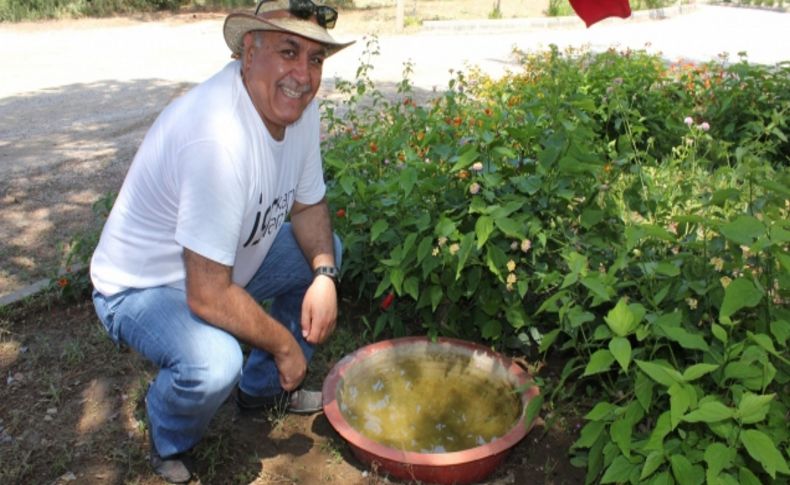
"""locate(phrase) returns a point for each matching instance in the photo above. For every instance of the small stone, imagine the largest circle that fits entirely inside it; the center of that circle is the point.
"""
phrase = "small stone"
(52, 411)
(48, 418)
(68, 477)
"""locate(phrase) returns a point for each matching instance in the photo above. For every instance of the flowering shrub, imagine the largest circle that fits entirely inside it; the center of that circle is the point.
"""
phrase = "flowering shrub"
(630, 215)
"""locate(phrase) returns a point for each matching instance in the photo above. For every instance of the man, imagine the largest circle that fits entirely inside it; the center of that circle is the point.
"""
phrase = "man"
(197, 237)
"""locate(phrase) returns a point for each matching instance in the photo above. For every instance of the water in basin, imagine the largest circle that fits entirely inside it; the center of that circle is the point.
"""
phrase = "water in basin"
(429, 401)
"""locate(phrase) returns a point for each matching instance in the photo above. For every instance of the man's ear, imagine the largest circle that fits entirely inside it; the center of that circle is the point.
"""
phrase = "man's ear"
(248, 44)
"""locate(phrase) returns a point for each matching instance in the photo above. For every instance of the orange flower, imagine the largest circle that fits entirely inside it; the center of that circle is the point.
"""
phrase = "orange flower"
(420, 135)
(63, 282)
(373, 147)
(607, 167)
(488, 112)
(341, 213)
(457, 121)
(463, 175)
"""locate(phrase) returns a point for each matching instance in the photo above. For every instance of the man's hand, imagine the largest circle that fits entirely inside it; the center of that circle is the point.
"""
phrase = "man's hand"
(319, 310)
(215, 298)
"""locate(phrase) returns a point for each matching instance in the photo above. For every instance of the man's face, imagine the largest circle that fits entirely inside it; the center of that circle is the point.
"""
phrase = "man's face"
(282, 73)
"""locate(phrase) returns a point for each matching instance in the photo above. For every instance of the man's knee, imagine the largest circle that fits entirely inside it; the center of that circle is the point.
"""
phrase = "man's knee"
(209, 375)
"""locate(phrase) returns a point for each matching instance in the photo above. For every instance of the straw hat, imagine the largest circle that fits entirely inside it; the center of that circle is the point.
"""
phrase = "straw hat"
(238, 24)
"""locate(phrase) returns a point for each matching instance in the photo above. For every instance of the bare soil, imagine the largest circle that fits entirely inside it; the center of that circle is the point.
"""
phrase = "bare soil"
(71, 413)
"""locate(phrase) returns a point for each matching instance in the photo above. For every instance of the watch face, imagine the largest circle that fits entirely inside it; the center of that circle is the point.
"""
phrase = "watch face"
(330, 271)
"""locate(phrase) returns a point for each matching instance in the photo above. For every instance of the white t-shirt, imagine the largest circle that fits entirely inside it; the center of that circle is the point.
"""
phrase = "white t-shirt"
(209, 177)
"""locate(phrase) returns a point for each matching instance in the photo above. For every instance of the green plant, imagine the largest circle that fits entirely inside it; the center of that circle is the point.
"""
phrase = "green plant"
(73, 282)
(627, 214)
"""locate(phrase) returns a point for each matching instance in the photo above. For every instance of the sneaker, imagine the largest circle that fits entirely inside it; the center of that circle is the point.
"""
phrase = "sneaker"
(299, 402)
(173, 469)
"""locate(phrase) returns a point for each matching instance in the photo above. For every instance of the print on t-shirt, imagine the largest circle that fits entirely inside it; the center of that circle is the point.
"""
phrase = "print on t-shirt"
(273, 217)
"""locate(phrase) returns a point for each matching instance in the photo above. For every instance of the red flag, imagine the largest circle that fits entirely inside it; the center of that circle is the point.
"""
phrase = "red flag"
(592, 11)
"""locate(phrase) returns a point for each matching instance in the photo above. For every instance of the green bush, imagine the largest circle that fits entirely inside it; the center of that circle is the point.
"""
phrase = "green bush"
(628, 215)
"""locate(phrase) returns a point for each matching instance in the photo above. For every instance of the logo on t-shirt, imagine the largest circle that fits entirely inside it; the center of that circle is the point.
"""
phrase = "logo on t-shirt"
(273, 217)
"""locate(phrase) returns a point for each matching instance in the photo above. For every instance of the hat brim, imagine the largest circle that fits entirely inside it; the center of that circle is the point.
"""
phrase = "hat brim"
(238, 24)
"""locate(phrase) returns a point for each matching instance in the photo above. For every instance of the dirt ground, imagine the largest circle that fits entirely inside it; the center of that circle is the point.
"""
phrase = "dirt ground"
(70, 413)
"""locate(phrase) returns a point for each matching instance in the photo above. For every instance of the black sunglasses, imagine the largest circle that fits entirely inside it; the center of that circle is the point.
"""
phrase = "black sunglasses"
(304, 9)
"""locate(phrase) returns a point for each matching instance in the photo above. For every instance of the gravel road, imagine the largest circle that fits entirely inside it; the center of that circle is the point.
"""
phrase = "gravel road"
(77, 97)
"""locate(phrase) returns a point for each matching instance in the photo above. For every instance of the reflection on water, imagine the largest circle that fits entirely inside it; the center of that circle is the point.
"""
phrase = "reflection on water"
(428, 403)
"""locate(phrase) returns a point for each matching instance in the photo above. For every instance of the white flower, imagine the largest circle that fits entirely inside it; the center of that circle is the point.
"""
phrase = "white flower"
(704, 126)
(688, 121)
(477, 166)
(474, 188)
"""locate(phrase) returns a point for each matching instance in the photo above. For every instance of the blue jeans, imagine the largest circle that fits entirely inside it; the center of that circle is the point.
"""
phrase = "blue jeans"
(200, 364)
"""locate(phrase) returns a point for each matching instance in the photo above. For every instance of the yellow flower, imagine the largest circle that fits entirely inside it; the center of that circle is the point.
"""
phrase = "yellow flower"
(725, 281)
(717, 263)
(692, 303)
(511, 278)
(526, 244)
(511, 266)
(442, 241)
(435, 252)
(454, 248)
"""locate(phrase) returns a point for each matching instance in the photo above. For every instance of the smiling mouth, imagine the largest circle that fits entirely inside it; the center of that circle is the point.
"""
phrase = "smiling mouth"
(292, 93)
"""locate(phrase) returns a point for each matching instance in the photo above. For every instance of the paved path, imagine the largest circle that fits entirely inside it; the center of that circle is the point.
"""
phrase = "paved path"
(75, 103)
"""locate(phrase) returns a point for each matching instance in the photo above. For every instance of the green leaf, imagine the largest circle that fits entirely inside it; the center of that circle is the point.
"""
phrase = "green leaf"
(467, 243)
(618, 471)
(408, 178)
(533, 408)
(620, 432)
(643, 388)
(709, 412)
(620, 348)
(719, 332)
(600, 361)
(684, 471)
(483, 229)
(548, 340)
(719, 457)
(663, 478)
(378, 228)
(589, 434)
(621, 319)
(653, 460)
(411, 286)
(753, 408)
(465, 159)
(511, 228)
(445, 227)
(492, 330)
(686, 339)
(679, 402)
(762, 449)
(662, 374)
(780, 329)
(600, 289)
(424, 248)
(662, 429)
(698, 370)
(744, 229)
(741, 293)
(746, 477)
(436, 295)
(602, 411)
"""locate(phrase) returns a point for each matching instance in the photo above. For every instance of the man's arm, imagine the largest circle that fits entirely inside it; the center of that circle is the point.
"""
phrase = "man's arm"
(313, 231)
(212, 295)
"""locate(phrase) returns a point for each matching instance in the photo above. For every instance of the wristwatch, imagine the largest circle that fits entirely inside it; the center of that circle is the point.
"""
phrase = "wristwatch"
(330, 271)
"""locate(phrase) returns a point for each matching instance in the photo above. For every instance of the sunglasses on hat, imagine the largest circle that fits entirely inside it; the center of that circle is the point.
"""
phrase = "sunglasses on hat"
(304, 9)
